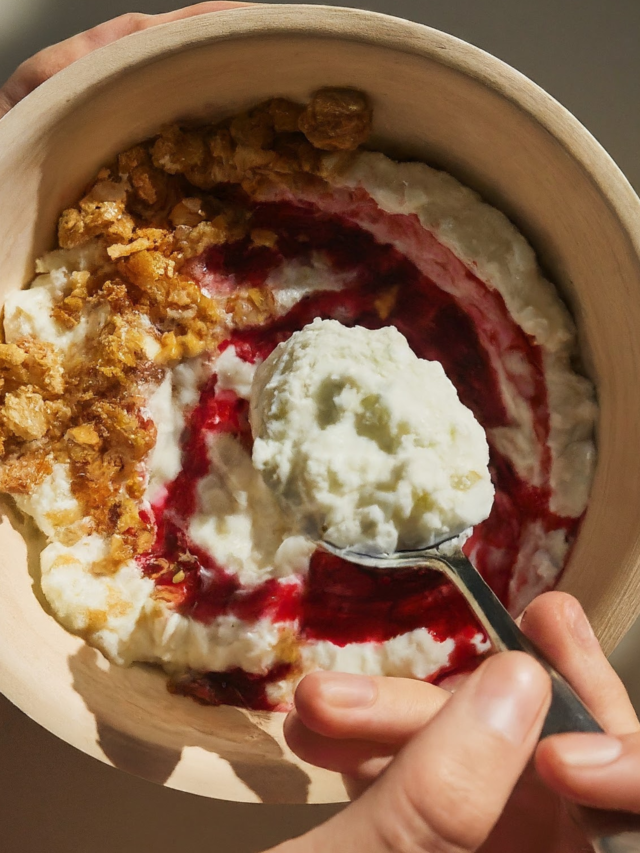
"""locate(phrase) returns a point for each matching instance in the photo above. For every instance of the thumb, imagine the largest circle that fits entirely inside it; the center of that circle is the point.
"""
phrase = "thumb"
(447, 788)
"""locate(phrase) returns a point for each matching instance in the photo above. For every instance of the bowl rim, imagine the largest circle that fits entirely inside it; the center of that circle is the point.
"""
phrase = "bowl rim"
(52, 100)
(359, 25)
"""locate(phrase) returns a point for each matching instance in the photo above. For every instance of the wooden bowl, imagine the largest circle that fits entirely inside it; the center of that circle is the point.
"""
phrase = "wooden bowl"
(436, 99)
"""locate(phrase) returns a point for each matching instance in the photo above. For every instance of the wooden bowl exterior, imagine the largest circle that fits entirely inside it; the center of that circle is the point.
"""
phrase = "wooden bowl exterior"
(436, 99)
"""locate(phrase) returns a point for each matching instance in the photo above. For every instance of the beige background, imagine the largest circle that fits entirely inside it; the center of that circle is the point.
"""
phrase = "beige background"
(57, 800)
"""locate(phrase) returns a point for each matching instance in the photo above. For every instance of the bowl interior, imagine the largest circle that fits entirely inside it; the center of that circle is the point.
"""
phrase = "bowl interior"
(436, 99)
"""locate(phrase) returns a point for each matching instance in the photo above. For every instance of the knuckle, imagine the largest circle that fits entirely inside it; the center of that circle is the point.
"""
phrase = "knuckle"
(407, 829)
(31, 73)
(6, 102)
(445, 813)
(458, 824)
(462, 817)
(133, 21)
(116, 28)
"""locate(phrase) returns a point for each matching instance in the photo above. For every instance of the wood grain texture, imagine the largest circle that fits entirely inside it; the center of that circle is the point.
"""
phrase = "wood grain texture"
(435, 98)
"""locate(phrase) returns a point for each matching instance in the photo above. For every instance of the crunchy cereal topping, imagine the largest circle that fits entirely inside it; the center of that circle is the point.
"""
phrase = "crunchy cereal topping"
(24, 414)
(337, 120)
(83, 435)
(19, 474)
(155, 209)
(107, 219)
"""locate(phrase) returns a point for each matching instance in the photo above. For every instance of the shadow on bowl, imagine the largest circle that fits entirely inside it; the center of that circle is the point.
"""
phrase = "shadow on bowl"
(224, 732)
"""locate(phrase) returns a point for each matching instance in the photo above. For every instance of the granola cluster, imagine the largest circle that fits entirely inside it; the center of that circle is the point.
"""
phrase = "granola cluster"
(147, 215)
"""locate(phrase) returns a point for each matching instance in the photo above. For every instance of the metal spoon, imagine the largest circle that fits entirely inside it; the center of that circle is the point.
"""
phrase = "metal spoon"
(567, 713)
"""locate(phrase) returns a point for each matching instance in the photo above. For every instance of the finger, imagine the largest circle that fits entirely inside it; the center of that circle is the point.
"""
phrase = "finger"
(197, 9)
(557, 625)
(34, 71)
(354, 724)
(448, 786)
(593, 770)
(361, 760)
(387, 710)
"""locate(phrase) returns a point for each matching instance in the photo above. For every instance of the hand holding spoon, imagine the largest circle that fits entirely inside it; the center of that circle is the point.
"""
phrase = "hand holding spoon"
(567, 713)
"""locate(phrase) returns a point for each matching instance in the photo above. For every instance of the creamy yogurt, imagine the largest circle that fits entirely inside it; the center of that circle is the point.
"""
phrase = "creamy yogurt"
(253, 597)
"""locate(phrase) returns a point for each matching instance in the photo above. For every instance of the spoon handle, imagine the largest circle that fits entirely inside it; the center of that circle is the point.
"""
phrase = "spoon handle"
(567, 712)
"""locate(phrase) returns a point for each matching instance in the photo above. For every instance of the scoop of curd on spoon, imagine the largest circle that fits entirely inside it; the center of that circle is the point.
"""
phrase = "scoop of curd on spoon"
(366, 445)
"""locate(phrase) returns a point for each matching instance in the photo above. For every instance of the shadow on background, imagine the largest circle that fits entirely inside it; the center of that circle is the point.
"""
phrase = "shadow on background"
(56, 799)
(255, 756)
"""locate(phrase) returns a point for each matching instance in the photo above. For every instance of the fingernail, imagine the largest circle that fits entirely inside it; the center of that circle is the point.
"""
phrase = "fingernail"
(342, 690)
(579, 625)
(587, 750)
(510, 694)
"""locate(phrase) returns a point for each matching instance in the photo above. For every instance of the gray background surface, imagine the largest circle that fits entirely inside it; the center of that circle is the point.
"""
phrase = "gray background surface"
(53, 799)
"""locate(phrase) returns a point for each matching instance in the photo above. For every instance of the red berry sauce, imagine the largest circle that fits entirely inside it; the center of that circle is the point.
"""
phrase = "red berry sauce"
(339, 602)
